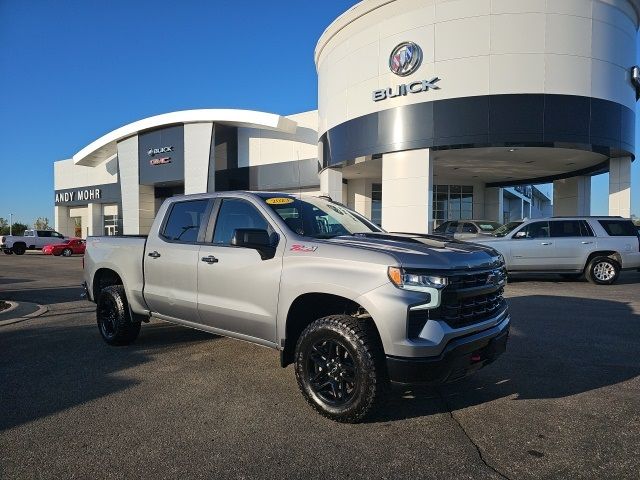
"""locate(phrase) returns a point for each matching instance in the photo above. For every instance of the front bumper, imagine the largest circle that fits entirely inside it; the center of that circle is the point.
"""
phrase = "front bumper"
(459, 358)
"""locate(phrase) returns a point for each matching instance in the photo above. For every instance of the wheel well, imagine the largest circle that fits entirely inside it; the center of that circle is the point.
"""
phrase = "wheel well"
(309, 307)
(104, 277)
(20, 243)
(605, 253)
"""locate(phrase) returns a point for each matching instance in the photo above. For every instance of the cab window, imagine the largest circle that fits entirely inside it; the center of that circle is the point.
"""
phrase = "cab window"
(533, 230)
(236, 213)
(469, 228)
(184, 220)
(565, 228)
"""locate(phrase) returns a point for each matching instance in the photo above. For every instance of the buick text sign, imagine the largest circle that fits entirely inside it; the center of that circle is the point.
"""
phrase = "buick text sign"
(405, 89)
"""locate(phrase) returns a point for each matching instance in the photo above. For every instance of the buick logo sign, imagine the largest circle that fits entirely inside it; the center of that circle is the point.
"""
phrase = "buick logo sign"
(156, 151)
(405, 59)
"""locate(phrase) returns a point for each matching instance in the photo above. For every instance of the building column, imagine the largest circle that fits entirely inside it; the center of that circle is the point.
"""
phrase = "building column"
(129, 185)
(572, 196)
(62, 221)
(331, 184)
(407, 191)
(493, 204)
(620, 187)
(197, 146)
(359, 196)
(94, 219)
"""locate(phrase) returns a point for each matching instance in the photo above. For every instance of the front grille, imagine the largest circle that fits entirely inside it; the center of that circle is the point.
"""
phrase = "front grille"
(459, 312)
(469, 298)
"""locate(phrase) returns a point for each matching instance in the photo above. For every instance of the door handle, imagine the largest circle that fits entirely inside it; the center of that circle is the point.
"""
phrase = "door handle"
(586, 243)
(210, 259)
(154, 254)
(545, 243)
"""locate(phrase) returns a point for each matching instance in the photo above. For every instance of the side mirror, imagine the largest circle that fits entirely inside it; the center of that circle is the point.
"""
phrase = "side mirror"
(520, 234)
(256, 239)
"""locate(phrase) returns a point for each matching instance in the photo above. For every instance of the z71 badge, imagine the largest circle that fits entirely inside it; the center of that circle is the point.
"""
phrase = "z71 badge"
(296, 247)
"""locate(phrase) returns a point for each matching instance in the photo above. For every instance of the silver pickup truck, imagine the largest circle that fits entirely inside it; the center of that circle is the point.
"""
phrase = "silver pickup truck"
(351, 306)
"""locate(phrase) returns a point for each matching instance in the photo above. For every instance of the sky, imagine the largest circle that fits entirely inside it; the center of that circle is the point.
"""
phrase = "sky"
(72, 71)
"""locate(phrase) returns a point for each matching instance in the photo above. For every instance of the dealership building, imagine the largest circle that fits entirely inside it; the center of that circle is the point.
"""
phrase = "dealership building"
(428, 110)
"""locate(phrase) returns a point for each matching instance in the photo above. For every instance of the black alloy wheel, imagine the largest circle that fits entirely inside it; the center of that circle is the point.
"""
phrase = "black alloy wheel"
(340, 367)
(114, 320)
(332, 372)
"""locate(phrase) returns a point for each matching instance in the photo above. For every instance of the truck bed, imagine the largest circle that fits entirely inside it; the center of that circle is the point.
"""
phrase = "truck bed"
(124, 254)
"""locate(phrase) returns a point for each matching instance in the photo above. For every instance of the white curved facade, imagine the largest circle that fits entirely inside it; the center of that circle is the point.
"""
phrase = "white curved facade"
(477, 47)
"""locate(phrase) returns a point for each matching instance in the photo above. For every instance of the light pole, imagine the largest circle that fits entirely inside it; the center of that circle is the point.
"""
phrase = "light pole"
(10, 224)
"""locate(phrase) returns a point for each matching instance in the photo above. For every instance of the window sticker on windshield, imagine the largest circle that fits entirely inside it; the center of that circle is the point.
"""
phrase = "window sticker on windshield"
(296, 247)
(279, 200)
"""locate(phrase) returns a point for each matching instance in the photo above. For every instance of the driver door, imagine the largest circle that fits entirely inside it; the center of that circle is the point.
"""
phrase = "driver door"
(532, 247)
(238, 290)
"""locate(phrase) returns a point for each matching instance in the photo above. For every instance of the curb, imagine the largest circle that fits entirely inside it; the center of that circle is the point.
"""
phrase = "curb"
(10, 321)
(12, 306)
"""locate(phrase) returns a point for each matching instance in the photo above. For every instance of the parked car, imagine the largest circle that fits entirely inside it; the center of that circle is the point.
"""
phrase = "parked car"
(467, 229)
(598, 247)
(30, 240)
(348, 304)
(73, 246)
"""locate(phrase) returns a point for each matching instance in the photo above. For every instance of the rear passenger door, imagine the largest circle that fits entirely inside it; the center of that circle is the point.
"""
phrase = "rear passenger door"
(171, 261)
(573, 241)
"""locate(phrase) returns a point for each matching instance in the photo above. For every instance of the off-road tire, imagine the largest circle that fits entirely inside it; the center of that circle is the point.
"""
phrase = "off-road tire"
(362, 345)
(19, 249)
(602, 271)
(114, 320)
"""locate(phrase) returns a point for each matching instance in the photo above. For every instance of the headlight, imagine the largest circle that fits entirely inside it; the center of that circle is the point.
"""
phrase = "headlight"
(415, 282)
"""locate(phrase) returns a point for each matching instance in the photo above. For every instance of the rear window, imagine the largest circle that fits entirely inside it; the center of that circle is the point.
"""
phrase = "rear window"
(619, 228)
(183, 223)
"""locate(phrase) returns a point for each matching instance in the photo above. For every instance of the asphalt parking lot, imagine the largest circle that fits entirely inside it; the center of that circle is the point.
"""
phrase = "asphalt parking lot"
(563, 402)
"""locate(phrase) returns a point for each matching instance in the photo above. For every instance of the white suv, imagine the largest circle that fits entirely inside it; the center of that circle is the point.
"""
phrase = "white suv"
(598, 247)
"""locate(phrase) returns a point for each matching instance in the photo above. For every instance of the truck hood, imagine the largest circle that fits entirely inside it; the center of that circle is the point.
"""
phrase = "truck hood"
(413, 250)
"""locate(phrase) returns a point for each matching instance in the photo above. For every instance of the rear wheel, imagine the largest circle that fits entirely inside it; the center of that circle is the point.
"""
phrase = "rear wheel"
(19, 249)
(67, 252)
(8, 251)
(114, 321)
(340, 369)
(602, 271)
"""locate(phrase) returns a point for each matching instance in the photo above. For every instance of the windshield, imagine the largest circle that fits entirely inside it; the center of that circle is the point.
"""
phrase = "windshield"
(488, 226)
(506, 229)
(317, 217)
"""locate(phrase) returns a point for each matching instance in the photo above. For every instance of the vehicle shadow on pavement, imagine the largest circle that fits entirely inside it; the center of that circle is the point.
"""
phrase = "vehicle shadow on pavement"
(72, 366)
(6, 280)
(627, 277)
(43, 295)
(558, 347)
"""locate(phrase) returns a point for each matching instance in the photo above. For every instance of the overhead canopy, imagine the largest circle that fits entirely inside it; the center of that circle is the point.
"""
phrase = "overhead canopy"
(105, 147)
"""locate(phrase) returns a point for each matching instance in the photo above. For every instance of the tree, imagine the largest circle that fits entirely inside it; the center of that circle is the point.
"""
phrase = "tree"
(19, 228)
(41, 223)
(4, 226)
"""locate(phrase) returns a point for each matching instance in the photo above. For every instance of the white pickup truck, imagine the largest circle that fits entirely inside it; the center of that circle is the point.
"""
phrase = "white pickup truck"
(31, 240)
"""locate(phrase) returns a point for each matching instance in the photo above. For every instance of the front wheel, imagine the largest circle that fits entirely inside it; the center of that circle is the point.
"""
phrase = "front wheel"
(114, 321)
(8, 251)
(602, 271)
(340, 369)
(19, 249)
(67, 252)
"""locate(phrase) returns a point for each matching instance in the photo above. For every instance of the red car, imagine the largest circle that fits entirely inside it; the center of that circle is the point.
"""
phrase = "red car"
(66, 249)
